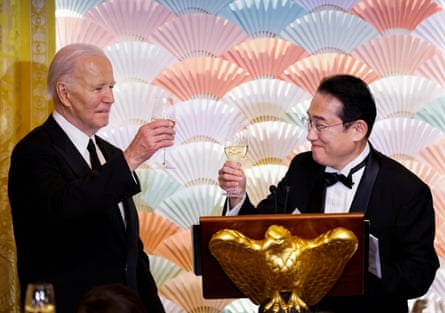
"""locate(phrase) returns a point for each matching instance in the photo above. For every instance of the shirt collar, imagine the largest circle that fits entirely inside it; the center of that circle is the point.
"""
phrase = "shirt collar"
(77, 137)
(353, 163)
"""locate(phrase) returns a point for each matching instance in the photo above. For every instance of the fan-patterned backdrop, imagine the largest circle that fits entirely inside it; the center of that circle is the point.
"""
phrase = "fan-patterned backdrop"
(256, 64)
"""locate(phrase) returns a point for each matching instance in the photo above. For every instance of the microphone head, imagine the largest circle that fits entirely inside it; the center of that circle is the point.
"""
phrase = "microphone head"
(272, 188)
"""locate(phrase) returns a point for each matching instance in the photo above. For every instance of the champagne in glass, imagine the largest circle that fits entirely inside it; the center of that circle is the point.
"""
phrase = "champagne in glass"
(235, 148)
(40, 298)
(163, 109)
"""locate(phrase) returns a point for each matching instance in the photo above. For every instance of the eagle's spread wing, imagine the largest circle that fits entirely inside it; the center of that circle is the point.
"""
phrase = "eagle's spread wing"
(328, 255)
(242, 260)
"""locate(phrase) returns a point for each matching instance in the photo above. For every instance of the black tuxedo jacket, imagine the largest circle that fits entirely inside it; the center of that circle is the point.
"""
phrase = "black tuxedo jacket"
(400, 210)
(67, 225)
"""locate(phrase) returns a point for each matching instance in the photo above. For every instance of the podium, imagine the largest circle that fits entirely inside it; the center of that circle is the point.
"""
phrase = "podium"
(216, 284)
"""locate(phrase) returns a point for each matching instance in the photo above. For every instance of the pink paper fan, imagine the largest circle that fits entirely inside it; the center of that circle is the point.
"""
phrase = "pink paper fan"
(308, 72)
(395, 14)
(434, 155)
(154, 229)
(395, 54)
(425, 171)
(265, 57)
(177, 248)
(433, 69)
(136, 19)
(201, 77)
(76, 29)
(193, 35)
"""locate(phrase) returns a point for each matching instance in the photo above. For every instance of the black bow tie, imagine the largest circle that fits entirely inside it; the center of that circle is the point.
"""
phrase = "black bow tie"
(332, 178)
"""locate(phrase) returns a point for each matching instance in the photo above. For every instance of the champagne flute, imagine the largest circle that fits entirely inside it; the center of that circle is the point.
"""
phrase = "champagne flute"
(235, 149)
(40, 298)
(163, 109)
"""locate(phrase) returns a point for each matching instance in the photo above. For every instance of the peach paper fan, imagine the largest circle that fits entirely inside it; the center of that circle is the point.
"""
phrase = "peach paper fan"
(154, 229)
(201, 77)
(329, 31)
(403, 138)
(395, 54)
(320, 5)
(136, 61)
(403, 95)
(76, 29)
(264, 57)
(195, 6)
(433, 113)
(261, 177)
(389, 15)
(432, 29)
(262, 18)
(264, 100)
(163, 269)
(186, 290)
(434, 155)
(77, 8)
(203, 120)
(271, 142)
(186, 206)
(308, 72)
(433, 69)
(130, 20)
(177, 249)
(193, 35)
(425, 171)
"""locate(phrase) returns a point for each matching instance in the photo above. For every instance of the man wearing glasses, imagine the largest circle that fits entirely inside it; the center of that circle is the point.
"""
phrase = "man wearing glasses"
(344, 173)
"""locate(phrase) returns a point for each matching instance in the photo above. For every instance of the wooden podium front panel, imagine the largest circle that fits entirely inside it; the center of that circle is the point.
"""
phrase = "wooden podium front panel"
(217, 285)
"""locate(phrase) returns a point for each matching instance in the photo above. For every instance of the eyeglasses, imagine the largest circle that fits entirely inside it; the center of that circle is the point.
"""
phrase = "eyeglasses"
(311, 124)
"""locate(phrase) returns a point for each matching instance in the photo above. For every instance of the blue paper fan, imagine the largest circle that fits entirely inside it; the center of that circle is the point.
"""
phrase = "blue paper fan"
(433, 113)
(329, 31)
(75, 8)
(195, 6)
(163, 270)
(138, 61)
(297, 112)
(193, 35)
(262, 18)
(319, 5)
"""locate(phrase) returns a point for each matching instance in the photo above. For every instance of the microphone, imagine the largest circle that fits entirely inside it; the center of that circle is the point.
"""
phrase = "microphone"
(287, 189)
(273, 191)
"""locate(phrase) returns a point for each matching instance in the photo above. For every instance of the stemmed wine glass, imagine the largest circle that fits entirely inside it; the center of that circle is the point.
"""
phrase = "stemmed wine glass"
(163, 109)
(40, 298)
(235, 149)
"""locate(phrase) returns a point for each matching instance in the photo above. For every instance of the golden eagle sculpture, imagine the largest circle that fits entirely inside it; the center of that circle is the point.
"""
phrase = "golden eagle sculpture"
(283, 273)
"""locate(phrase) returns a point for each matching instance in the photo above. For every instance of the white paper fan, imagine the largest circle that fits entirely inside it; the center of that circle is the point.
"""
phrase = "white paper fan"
(260, 178)
(156, 186)
(433, 113)
(74, 8)
(262, 18)
(130, 20)
(395, 54)
(434, 155)
(265, 57)
(201, 77)
(432, 29)
(186, 206)
(243, 305)
(163, 270)
(76, 29)
(195, 6)
(433, 69)
(403, 138)
(193, 35)
(270, 142)
(195, 163)
(170, 306)
(264, 100)
(186, 290)
(395, 14)
(295, 114)
(403, 95)
(119, 136)
(329, 31)
(138, 61)
(177, 249)
(133, 103)
(318, 5)
(308, 72)
(203, 120)
(154, 229)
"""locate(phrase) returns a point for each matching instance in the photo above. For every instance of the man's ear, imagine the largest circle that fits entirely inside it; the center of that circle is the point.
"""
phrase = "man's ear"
(62, 93)
(360, 128)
